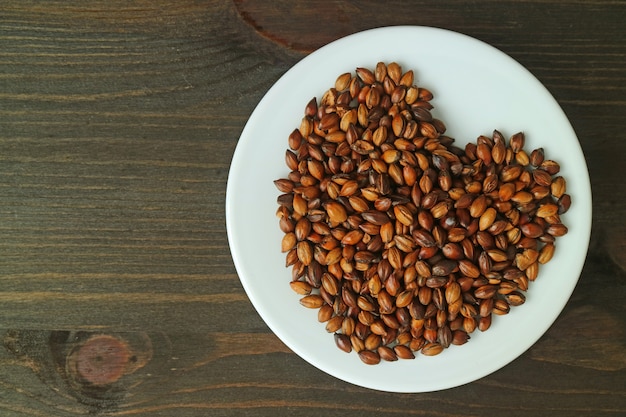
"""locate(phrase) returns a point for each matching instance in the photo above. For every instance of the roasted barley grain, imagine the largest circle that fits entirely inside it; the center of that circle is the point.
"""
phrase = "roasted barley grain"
(403, 241)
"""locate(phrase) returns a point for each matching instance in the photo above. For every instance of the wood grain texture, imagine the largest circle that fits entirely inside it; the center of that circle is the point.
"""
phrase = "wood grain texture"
(118, 121)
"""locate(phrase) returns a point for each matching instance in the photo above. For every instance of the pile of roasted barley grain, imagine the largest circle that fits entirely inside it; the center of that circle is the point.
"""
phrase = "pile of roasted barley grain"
(402, 240)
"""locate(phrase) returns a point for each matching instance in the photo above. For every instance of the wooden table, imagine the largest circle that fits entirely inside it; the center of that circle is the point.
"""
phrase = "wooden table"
(118, 121)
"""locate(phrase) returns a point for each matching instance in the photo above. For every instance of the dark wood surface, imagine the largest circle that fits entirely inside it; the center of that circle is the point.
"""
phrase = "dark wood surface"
(118, 121)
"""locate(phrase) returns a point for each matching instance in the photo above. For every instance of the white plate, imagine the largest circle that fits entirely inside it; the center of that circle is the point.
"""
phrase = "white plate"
(476, 89)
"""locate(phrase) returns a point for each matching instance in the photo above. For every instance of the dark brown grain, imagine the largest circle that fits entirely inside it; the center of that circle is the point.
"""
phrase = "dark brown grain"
(425, 237)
